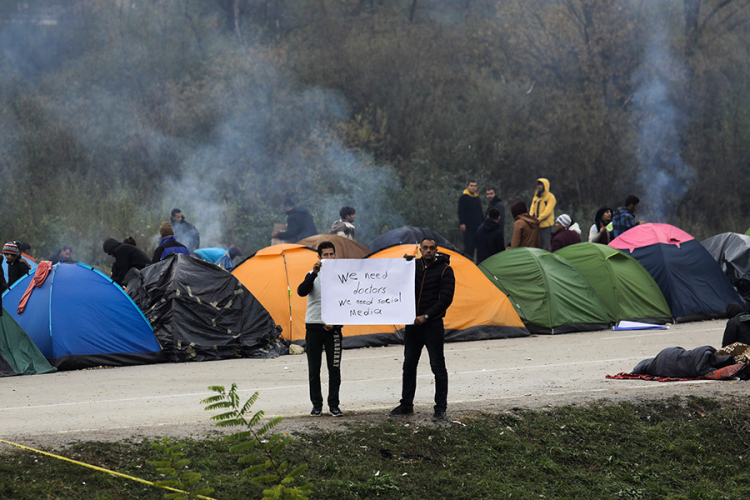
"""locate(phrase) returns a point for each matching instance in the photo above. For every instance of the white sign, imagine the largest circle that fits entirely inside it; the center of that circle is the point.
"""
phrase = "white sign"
(367, 292)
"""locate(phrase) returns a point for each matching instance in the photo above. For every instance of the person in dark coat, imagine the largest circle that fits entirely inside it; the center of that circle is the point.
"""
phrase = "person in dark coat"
(61, 254)
(525, 227)
(494, 201)
(17, 267)
(435, 284)
(299, 223)
(126, 257)
(470, 217)
(168, 244)
(738, 326)
(490, 239)
(184, 232)
(564, 237)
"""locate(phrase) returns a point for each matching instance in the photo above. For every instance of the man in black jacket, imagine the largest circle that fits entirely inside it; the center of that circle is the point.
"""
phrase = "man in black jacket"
(126, 257)
(184, 232)
(434, 286)
(17, 267)
(490, 238)
(470, 217)
(299, 224)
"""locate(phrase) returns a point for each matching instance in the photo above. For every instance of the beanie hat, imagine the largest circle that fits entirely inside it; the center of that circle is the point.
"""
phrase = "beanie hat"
(11, 248)
(565, 220)
(165, 229)
(518, 208)
(234, 251)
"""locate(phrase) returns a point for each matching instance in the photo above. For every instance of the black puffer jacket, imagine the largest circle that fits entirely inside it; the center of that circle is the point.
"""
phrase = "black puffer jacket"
(126, 257)
(434, 286)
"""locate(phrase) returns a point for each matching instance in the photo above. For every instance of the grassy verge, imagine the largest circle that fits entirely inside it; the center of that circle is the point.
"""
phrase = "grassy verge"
(691, 448)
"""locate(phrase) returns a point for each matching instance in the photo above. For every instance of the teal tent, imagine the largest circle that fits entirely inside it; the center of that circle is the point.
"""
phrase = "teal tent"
(18, 353)
(549, 294)
(623, 285)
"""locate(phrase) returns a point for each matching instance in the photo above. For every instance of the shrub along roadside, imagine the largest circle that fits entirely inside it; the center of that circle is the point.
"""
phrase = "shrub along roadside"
(678, 448)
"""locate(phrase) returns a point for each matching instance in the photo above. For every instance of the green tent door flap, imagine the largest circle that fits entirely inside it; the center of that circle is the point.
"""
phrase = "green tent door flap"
(626, 289)
(18, 353)
(549, 294)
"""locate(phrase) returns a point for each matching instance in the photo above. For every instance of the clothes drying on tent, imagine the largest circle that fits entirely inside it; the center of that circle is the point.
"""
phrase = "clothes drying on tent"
(732, 252)
(689, 278)
(345, 248)
(18, 353)
(31, 262)
(200, 312)
(549, 294)
(80, 318)
(215, 255)
(624, 286)
(407, 235)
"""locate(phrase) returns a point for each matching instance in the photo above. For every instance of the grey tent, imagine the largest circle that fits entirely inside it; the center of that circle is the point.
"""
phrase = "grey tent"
(732, 252)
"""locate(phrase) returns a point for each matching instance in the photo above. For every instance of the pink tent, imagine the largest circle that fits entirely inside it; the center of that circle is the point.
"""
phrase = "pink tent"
(649, 234)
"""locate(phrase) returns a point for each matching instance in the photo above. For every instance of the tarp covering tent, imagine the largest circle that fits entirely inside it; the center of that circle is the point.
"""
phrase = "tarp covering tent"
(345, 248)
(624, 286)
(549, 294)
(690, 279)
(18, 353)
(732, 252)
(272, 275)
(407, 235)
(479, 310)
(80, 318)
(31, 262)
(201, 312)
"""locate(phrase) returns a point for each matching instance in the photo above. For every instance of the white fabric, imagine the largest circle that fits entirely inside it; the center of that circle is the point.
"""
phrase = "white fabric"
(312, 315)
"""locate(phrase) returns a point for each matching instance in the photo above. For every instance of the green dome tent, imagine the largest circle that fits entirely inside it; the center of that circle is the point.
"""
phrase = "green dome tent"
(623, 285)
(549, 294)
(18, 353)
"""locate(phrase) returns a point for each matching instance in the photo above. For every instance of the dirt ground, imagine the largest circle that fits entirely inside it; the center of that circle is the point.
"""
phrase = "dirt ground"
(485, 376)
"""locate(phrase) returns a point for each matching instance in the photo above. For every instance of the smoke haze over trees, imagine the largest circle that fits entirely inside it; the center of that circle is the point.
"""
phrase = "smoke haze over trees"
(114, 112)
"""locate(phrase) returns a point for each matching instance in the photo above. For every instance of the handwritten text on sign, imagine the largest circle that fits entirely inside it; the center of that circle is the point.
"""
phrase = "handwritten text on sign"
(367, 292)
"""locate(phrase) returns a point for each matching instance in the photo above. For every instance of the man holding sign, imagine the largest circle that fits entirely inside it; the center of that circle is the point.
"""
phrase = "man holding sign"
(434, 286)
(319, 336)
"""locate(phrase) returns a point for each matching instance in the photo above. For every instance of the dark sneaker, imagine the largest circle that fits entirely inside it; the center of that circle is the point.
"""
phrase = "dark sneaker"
(438, 415)
(403, 410)
(336, 411)
(316, 411)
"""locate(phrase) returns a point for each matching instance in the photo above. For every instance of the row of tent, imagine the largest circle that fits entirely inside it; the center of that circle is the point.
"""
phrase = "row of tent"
(187, 309)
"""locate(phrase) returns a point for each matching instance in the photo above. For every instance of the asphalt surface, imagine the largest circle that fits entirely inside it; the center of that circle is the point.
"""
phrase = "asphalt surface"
(494, 375)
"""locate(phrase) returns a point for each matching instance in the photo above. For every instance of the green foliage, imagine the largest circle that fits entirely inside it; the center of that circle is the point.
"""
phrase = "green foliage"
(261, 448)
(172, 465)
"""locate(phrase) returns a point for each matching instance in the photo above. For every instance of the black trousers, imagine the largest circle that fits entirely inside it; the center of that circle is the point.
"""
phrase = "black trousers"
(316, 341)
(470, 241)
(432, 336)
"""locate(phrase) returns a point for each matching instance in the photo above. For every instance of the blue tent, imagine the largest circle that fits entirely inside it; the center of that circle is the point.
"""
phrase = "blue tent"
(25, 257)
(80, 318)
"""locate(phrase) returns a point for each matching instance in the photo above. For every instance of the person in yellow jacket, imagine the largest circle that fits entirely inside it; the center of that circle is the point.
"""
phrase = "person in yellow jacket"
(543, 208)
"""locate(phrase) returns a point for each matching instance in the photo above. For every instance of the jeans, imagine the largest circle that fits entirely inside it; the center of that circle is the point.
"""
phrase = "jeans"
(432, 336)
(316, 341)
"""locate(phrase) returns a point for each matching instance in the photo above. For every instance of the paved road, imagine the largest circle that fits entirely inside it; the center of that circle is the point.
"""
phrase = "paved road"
(164, 399)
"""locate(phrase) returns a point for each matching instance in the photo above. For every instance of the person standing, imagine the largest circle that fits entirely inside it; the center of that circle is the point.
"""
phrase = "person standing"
(345, 225)
(126, 257)
(599, 232)
(470, 217)
(525, 227)
(184, 232)
(299, 223)
(543, 208)
(17, 267)
(320, 337)
(490, 239)
(494, 201)
(61, 254)
(435, 284)
(168, 244)
(624, 217)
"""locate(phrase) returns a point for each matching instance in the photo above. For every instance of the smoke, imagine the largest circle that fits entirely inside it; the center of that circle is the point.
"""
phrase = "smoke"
(664, 175)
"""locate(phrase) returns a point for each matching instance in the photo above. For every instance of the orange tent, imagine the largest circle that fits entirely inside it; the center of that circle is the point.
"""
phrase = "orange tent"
(345, 248)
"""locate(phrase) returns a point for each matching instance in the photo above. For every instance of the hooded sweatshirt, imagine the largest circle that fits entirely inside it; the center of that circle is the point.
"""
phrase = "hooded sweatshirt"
(543, 205)
(470, 211)
(126, 257)
(490, 239)
(525, 232)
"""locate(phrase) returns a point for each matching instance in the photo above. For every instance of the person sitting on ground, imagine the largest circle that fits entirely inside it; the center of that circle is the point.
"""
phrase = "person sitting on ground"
(564, 236)
(600, 232)
(168, 244)
(490, 238)
(299, 223)
(17, 267)
(126, 256)
(738, 326)
(61, 254)
(525, 227)
(345, 226)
